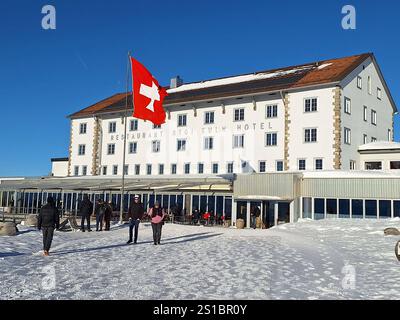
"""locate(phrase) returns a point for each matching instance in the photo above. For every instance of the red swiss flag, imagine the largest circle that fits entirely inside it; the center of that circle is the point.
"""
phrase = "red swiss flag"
(148, 95)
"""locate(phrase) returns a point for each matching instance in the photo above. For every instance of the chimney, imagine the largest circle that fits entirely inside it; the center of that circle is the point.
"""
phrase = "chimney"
(176, 82)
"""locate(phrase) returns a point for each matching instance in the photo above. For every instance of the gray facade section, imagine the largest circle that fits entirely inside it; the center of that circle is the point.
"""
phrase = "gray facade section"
(351, 188)
(285, 186)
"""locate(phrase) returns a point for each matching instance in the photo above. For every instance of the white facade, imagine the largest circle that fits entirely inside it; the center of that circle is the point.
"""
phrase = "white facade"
(380, 156)
(59, 168)
(240, 146)
(355, 120)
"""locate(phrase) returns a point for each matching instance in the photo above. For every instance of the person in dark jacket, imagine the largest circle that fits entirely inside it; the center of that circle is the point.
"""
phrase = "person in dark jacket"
(86, 210)
(196, 215)
(48, 220)
(100, 211)
(107, 215)
(135, 214)
(157, 215)
(254, 214)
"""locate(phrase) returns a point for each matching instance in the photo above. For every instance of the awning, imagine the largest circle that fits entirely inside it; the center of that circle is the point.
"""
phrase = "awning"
(136, 183)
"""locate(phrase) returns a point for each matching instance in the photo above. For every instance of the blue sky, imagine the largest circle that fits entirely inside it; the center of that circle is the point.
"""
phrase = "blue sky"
(47, 74)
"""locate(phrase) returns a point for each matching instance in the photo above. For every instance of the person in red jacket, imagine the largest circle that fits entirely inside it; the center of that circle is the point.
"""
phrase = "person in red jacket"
(157, 215)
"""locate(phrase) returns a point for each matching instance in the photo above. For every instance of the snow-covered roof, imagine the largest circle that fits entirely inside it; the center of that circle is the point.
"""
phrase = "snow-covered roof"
(265, 81)
(242, 78)
(379, 145)
(352, 174)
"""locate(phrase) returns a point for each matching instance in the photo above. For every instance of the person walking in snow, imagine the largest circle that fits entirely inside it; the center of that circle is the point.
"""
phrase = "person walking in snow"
(86, 210)
(48, 220)
(135, 214)
(100, 211)
(157, 215)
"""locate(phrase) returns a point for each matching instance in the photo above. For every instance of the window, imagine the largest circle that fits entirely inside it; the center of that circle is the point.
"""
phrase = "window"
(359, 82)
(272, 111)
(229, 168)
(82, 128)
(385, 209)
(111, 149)
(310, 135)
(160, 169)
(396, 208)
(271, 139)
(181, 144)
(369, 85)
(84, 170)
(82, 150)
(371, 208)
(307, 205)
(239, 114)
(279, 166)
(310, 104)
(319, 208)
(347, 136)
(155, 146)
(156, 126)
(373, 165)
(318, 164)
(373, 117)
(137, 169)
(352, 165)
(133, 125)
(173, 168)
(187, 168)
(394, 165)
(365, 139)
(112, 127)
(379, 93)
(238, 141)
(331, 207)
(365, 113)
(115, 170)
(344, 208)
(104, 170)
(148, 169)
(302, 164)
(357, 208)
(373, 139)
(262, 166)
(209, 117)
(182, 120)
(215, 168)
(132, 147)
(200, 168)
(208, 143)
(347, 105)
(126, 169)
(76, 171)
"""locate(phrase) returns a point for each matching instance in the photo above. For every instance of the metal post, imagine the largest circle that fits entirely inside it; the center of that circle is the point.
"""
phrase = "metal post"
(124, 151)
(392, 208)
(276, 213)
(312, 209)
(234, 212)
(248, 215)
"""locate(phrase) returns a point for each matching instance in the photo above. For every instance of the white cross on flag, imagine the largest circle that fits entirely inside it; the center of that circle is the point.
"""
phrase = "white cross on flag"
(148, 95)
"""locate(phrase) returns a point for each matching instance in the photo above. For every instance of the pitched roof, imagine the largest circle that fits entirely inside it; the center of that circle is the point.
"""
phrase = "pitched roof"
(310, 74)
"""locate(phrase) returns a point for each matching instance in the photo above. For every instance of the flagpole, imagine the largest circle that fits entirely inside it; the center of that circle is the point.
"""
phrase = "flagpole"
(125, 130)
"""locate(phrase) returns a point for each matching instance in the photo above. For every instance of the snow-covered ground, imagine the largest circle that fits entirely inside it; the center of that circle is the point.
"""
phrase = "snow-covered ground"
(326, 259)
